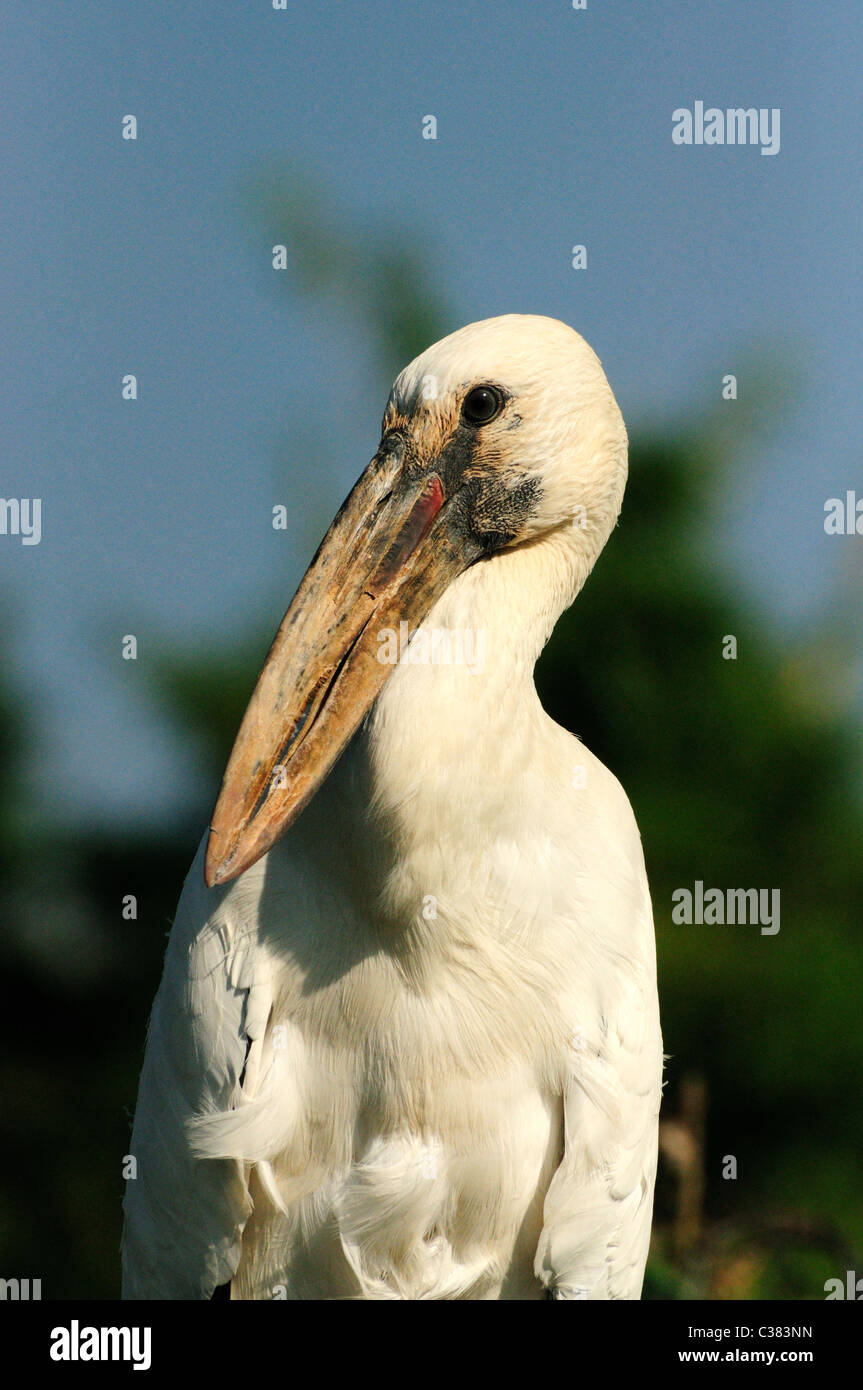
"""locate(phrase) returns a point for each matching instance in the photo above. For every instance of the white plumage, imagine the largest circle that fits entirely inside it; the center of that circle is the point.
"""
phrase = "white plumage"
(414, 1050)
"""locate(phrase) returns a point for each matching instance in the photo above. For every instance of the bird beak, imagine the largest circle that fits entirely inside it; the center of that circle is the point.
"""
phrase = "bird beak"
(393, 548)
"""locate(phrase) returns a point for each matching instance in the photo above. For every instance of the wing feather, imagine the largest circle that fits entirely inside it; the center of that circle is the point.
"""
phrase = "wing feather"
(184, 1215)
(599, 1204)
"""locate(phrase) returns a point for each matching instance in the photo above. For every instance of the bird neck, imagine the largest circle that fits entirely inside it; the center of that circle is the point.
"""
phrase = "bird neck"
(460, 708)
(451, 764)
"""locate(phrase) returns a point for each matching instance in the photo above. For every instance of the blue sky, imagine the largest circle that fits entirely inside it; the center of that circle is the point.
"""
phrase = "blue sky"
(554, 128)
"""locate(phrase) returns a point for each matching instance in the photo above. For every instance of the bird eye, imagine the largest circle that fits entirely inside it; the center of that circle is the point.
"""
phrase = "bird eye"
(481, 405)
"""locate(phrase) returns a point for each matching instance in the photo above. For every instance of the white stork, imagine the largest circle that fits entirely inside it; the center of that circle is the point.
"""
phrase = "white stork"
(413, 1049)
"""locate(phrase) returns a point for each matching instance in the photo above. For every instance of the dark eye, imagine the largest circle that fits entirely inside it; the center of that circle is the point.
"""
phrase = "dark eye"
(481, 405)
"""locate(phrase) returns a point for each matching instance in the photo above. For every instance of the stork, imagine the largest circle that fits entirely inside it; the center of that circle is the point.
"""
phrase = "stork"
(406, 1043)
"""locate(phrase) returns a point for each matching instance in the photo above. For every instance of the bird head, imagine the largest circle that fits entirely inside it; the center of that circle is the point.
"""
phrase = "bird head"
(500, 435)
